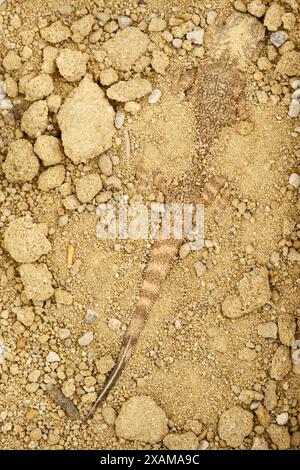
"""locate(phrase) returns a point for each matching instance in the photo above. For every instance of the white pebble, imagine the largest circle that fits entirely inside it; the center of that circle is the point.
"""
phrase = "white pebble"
(52, 357)
(91, 316)
(296, 94)
(295, 83)
(119, 119)
(278, 38)
(211, 16)
(282, 419)
(124, 21)
(296, 357)
(86, 339)
(154, 97)
(196, 36)
(200, 268)
(294, 180)
(114, 324)
(294, 108)
(177, 43)
(203, 445)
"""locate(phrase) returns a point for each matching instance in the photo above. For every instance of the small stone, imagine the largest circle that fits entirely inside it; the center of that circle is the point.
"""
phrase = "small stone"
(86, 339)
(87, 187)
(256, 8)
(196, 36)
(35, 434)
(154, 97)
(26, 316)
(72, 64)
(200, 268)
(54, 103)
(109, 415)
(294, 108)
(91, 316)
(56, 33)
(35, 120)
(184, 441)
(177, 43)
(25, 241)
(39, 87)
(105, 364)
(132, 107)
(64, 333)
(273, 17)
(270, 400)
(279, 436)
(119, 119)
(232, 307)
(286, 329)
(289, 21)
(263, 416)
(105, 165)
(203, 445)
(129, 91)
(21, 163)
(63, 297)
(141, 419)
(71, 203)
(254, 289)
(68, 388)
(52, 357)
(294, 180)
(267, 330)
(289, 64)
(49, 150)
(157, 24)
(86, 120)
(278, 38)
(234, 425)
(124, 21)
(12, 62)
(37, 281)
(211, 17)
(281, 363)
(108, 77)
(259, 443)
(282, 419)
(82, 27)
(126, 47)
(159, 62)
(51, 178)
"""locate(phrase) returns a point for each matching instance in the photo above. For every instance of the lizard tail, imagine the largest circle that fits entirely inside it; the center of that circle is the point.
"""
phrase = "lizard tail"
(162, 255)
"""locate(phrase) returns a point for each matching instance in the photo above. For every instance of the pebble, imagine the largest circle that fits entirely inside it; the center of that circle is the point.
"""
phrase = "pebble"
(119, 119)
(86, 339)
(294, 108)
(295, 84)
(91, 316)
(196, 36)
(141, 419)
(52, 357)
(282, 419)
(177, 43)
(200, 268)
(211, 17)
(124, 21)
(154, 97)
(234, 425)
(267, 330)
(278, 38)
(203, 445)
(294, 180)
